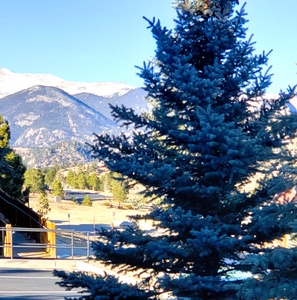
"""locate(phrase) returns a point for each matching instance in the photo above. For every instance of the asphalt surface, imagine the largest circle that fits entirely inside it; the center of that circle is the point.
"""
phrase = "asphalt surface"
(80, 194)
(16, 283)
(28, 274)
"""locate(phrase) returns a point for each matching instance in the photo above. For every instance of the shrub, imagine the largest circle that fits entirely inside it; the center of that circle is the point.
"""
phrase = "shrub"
(87, 201)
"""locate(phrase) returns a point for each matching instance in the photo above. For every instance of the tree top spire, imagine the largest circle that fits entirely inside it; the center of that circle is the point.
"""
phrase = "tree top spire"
(206, 7)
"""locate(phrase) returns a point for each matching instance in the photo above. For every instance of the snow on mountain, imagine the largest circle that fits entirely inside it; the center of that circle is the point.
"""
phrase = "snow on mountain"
(11, 83)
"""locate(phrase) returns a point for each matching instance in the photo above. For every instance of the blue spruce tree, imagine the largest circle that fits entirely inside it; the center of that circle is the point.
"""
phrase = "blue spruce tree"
(215, 150)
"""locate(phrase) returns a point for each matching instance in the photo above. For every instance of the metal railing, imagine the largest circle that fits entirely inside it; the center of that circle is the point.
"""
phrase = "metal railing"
(66, 243)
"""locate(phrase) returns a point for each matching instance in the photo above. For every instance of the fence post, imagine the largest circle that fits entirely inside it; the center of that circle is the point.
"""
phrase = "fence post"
(49, 238)
(72, 245)
(52, 239)
(11, 244)
(88, 245)
(8, 242)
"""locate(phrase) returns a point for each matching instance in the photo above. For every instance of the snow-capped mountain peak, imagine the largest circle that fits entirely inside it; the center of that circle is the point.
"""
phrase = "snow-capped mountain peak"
(11, 83)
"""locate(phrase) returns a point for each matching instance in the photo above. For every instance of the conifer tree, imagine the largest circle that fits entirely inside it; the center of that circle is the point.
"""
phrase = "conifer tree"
(12, 168)
(50, 174)
(87, 201)
(57, 188)
(35, 180)
(43, 206)
(71, 178)
(119, 188)
(215, 151)
(94, 181)
(81, 180)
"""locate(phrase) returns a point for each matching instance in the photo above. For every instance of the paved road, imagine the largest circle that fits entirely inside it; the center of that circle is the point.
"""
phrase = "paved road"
(80, 194)
(25, 284)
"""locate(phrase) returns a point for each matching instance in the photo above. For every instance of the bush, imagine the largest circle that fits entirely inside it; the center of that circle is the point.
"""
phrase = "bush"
(107, 203)
(87, 201)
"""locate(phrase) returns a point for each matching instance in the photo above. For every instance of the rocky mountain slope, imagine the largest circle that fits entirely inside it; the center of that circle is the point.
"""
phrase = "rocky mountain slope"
(64, 153)
(51, 126)
(42, 116)
(134, 99)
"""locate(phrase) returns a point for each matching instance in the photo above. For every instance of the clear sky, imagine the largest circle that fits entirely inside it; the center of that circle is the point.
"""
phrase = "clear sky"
(96, 40)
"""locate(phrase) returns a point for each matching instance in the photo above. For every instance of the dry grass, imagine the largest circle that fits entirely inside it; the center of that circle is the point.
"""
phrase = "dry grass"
(99, 213)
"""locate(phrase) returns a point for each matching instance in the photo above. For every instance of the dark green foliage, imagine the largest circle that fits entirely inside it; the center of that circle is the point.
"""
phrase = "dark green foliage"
(43, 207)
(215, 152)
(4, 133)
(34, 180)
(11, 166)
(57, 188)
(70, 178)
(119, 188)
(50, 174)
(79, 179)
(94, 181)
(13, 180)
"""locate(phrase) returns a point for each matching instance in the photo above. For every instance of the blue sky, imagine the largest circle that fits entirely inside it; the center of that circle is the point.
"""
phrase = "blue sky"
(93, 40)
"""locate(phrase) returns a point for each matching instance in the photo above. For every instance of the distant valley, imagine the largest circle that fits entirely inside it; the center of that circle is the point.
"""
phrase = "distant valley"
(51, 126)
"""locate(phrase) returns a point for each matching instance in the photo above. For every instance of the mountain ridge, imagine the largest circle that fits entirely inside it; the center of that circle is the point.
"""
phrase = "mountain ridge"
(50, 126)
(41, 116)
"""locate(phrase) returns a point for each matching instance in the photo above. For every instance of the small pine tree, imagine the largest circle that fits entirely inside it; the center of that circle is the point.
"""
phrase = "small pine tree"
(119, 189)
(93, 181)
(35, 180)
(57, 188)
(81, 180)
(71, 178)
(43, 206)
(87, 201)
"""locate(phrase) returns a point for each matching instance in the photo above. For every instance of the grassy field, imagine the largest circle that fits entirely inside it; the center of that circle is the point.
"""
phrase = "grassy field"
(68, 212)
